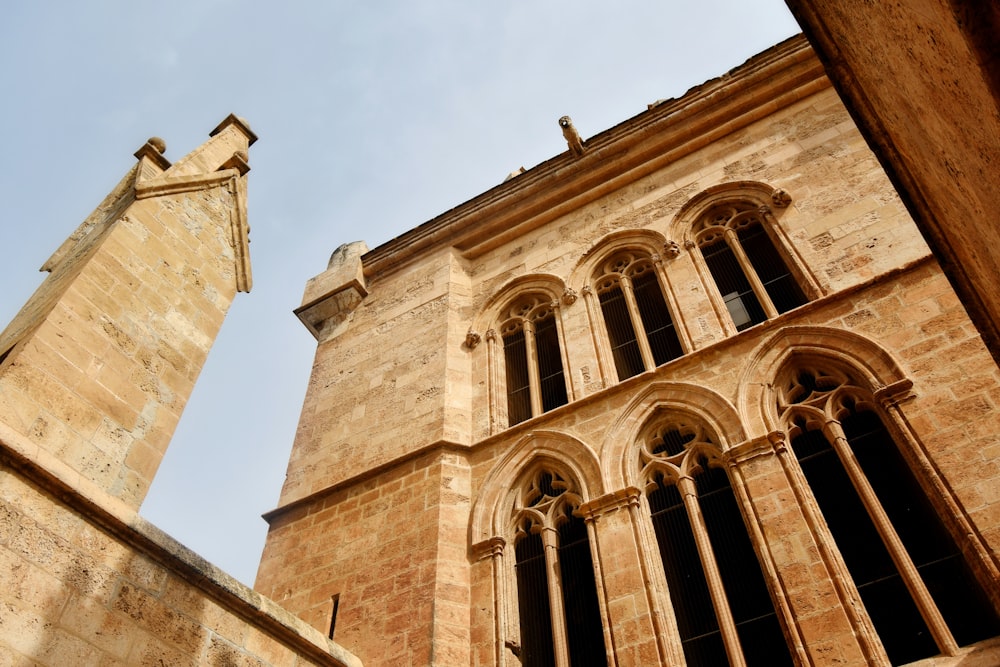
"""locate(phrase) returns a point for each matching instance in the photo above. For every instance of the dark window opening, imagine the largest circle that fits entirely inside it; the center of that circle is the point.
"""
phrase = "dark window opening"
(659, 327)
(584, 629)
(550, 368)
(757, 624)
(893, 611)
(333, 614)
(689, 595)
(779, 283)
(518, 386)
(533, 603)
(741, 302)
(624, 347)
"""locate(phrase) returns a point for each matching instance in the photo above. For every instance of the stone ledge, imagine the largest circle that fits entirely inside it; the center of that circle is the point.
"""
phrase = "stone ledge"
(118, 520)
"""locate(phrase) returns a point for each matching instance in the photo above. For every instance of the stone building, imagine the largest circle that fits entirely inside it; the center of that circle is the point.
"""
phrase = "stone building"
(94, 373)
(694, 391)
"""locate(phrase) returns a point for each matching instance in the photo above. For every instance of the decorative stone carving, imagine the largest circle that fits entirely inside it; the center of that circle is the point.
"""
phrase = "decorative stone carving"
(586, 289)
(781, 198)
(569, 296)
(671, 249)
(472, 339)
(491, 334)
(571, 135)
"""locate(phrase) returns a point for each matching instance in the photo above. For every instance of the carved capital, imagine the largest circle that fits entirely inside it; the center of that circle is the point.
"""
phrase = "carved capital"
(893, 394)
(611, 502)
(491, 548)
(586, 290)
(751, 449)
(491, 334)
(690, 245)
(764, 210)
(671, 249)
(781, 198)
(569, 296)
(472, 339)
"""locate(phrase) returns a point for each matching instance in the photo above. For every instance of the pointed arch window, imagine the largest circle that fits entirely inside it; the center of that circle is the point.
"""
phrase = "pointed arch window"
(724, 611)
(536, 381)
(752, 276)
(910, 573)
(558, 610)
(639, 325)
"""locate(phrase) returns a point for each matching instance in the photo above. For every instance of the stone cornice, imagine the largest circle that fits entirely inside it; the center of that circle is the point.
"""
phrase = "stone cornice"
(639, 146)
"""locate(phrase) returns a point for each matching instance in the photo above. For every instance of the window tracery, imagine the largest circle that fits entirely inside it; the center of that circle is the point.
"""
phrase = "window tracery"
(637, 319)
(752, 276)
(535, 379)
(915, 583)
(724, 611)
(558, 611)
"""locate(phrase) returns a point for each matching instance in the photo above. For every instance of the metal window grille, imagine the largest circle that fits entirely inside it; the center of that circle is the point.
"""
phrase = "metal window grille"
(659, 326)
(884, 539)
(518, 386)
(624, 346)
(746, 605)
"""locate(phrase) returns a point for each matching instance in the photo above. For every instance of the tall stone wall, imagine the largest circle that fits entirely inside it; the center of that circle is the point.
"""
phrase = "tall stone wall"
(94, 373)
(877, 303)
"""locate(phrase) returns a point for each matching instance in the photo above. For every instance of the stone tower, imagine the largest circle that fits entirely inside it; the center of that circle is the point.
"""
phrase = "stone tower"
(692, 392)
(99, 364)
(94, 373)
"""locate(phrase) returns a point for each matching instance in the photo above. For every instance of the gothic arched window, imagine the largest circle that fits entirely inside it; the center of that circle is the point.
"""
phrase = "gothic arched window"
(750, 273)
(536, 382)
(558, 610)
(724, 611)
(913, 579)
(636, 317)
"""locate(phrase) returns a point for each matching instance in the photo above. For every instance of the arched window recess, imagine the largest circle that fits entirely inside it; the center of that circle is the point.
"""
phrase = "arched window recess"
(526, 360)
(917, 587)
(559, 618)
(724, 611)
(755, 269)
(640, 327)
(631, 304)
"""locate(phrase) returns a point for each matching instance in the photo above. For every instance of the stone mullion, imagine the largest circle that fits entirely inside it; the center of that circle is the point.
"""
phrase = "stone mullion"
(891, 399)
(563, 352)
(799, 267)
(664, 625)
(602, 594)
(907, 570)
(605, 358)
(534, 381)
(494, 549)
(751, 275)
(738, 458)
(557, 613)
(850, 600)
(497, 384)
(640, 331)
(722, 315)
(727, 626)
(667, 289)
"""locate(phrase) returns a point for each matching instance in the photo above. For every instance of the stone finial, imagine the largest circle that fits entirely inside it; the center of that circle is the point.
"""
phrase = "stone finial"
(572, 136)
(159, 144)
(153, 151)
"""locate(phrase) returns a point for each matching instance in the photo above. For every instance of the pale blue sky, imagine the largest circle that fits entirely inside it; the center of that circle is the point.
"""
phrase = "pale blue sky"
(373, 117)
